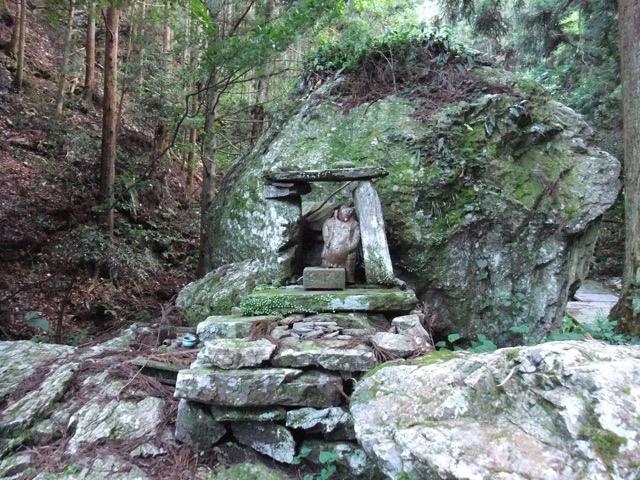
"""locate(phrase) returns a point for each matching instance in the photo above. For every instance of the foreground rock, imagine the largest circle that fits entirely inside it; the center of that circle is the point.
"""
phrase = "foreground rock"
(93, 397)
(563, 410)
(219, 291)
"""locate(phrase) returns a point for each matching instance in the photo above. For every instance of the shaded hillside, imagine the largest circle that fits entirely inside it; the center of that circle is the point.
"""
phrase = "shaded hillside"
(57, 269)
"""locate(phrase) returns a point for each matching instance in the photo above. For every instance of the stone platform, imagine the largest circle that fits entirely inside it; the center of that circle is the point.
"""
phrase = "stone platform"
(297, 300)
(280, 383)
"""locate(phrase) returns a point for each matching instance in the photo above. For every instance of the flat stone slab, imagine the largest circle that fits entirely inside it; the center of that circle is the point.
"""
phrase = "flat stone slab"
(196, 426)
(320, 278)
(232, 353)
(260, 387)
(231, 414)
(164, 372)
(228, 326)
(298, 300)
(369, 322)
(267, 438)
(594, 303)
(331, 175)
(394, 344)
(334, 422)
(326, 354)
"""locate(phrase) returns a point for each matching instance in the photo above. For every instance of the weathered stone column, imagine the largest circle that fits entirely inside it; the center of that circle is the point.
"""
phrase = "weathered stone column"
(375, 249)
(283, 216)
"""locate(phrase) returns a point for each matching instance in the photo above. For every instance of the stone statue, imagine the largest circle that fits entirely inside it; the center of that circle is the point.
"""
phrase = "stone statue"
(341, 235)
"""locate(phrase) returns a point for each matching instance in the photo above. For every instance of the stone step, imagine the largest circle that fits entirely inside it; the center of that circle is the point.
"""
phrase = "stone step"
(260, 387)
(297, 300)
(228, 326)
(330, 354)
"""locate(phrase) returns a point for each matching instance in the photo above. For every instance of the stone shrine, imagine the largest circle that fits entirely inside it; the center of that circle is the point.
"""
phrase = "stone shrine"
(278, 375)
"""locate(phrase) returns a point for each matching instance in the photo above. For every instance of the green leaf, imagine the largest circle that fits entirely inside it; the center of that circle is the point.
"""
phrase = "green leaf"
(440, 144)
(520, 329)
(33, 319)
(304, 452)
(453, 337)
(327, 457)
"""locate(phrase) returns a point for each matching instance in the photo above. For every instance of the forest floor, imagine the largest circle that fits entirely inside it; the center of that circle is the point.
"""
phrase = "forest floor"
(60, 278)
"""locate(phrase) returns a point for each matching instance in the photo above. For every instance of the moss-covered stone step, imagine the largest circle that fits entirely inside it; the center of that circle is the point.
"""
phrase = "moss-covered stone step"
(260, 387)
(297, 300)
(330, 354)
(228, 326)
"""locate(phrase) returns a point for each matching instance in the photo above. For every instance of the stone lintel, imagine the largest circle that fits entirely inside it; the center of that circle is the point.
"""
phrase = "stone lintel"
(330, 175)
(292, 190)
(321, 278)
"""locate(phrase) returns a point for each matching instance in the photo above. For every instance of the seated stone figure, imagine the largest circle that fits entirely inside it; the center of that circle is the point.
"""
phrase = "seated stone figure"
(341, 235)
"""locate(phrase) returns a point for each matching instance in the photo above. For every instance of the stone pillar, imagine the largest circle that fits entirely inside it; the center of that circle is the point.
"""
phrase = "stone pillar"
(283, 219)
(375, 249)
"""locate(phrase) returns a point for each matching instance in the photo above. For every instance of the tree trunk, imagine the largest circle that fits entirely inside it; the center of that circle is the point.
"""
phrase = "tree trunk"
(108, 159)
(22, 36)
(141, 40)
(12, 48)
(64, 70)
(627, 311)
(258, 111)
(262, 86)
(90, 54)
(125, 77)
(209, 170)
(193, 138)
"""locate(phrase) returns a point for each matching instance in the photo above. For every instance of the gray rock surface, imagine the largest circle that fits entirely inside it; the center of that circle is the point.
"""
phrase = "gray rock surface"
(230, 414)
(260, 387)
(396, 345)
(560, 410)
(326, 354)
(268, 438)
(236, 353)
(219, 291)
(100, 468)
(375, 249)
(19, 360)
(228, 326)
(39, 402)
(126, 420)
(196, 425)
(336, 422)
(247, 471)
(350, 459)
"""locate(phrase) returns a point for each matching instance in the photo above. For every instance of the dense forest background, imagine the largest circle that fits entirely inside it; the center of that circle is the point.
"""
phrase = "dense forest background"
(118, 120)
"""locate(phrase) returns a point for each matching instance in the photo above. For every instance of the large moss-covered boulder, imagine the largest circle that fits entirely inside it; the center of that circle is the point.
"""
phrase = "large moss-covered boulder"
(492, 200)
(220, 290)
(560, 410)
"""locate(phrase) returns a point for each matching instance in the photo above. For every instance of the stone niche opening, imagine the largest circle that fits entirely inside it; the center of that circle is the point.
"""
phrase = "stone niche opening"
(295, 240)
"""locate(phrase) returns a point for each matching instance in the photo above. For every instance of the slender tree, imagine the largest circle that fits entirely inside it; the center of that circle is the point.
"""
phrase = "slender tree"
(12, 47)
(627, 311)
(64, 70)
(109, 117)
(90, 53)
(22, 36)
